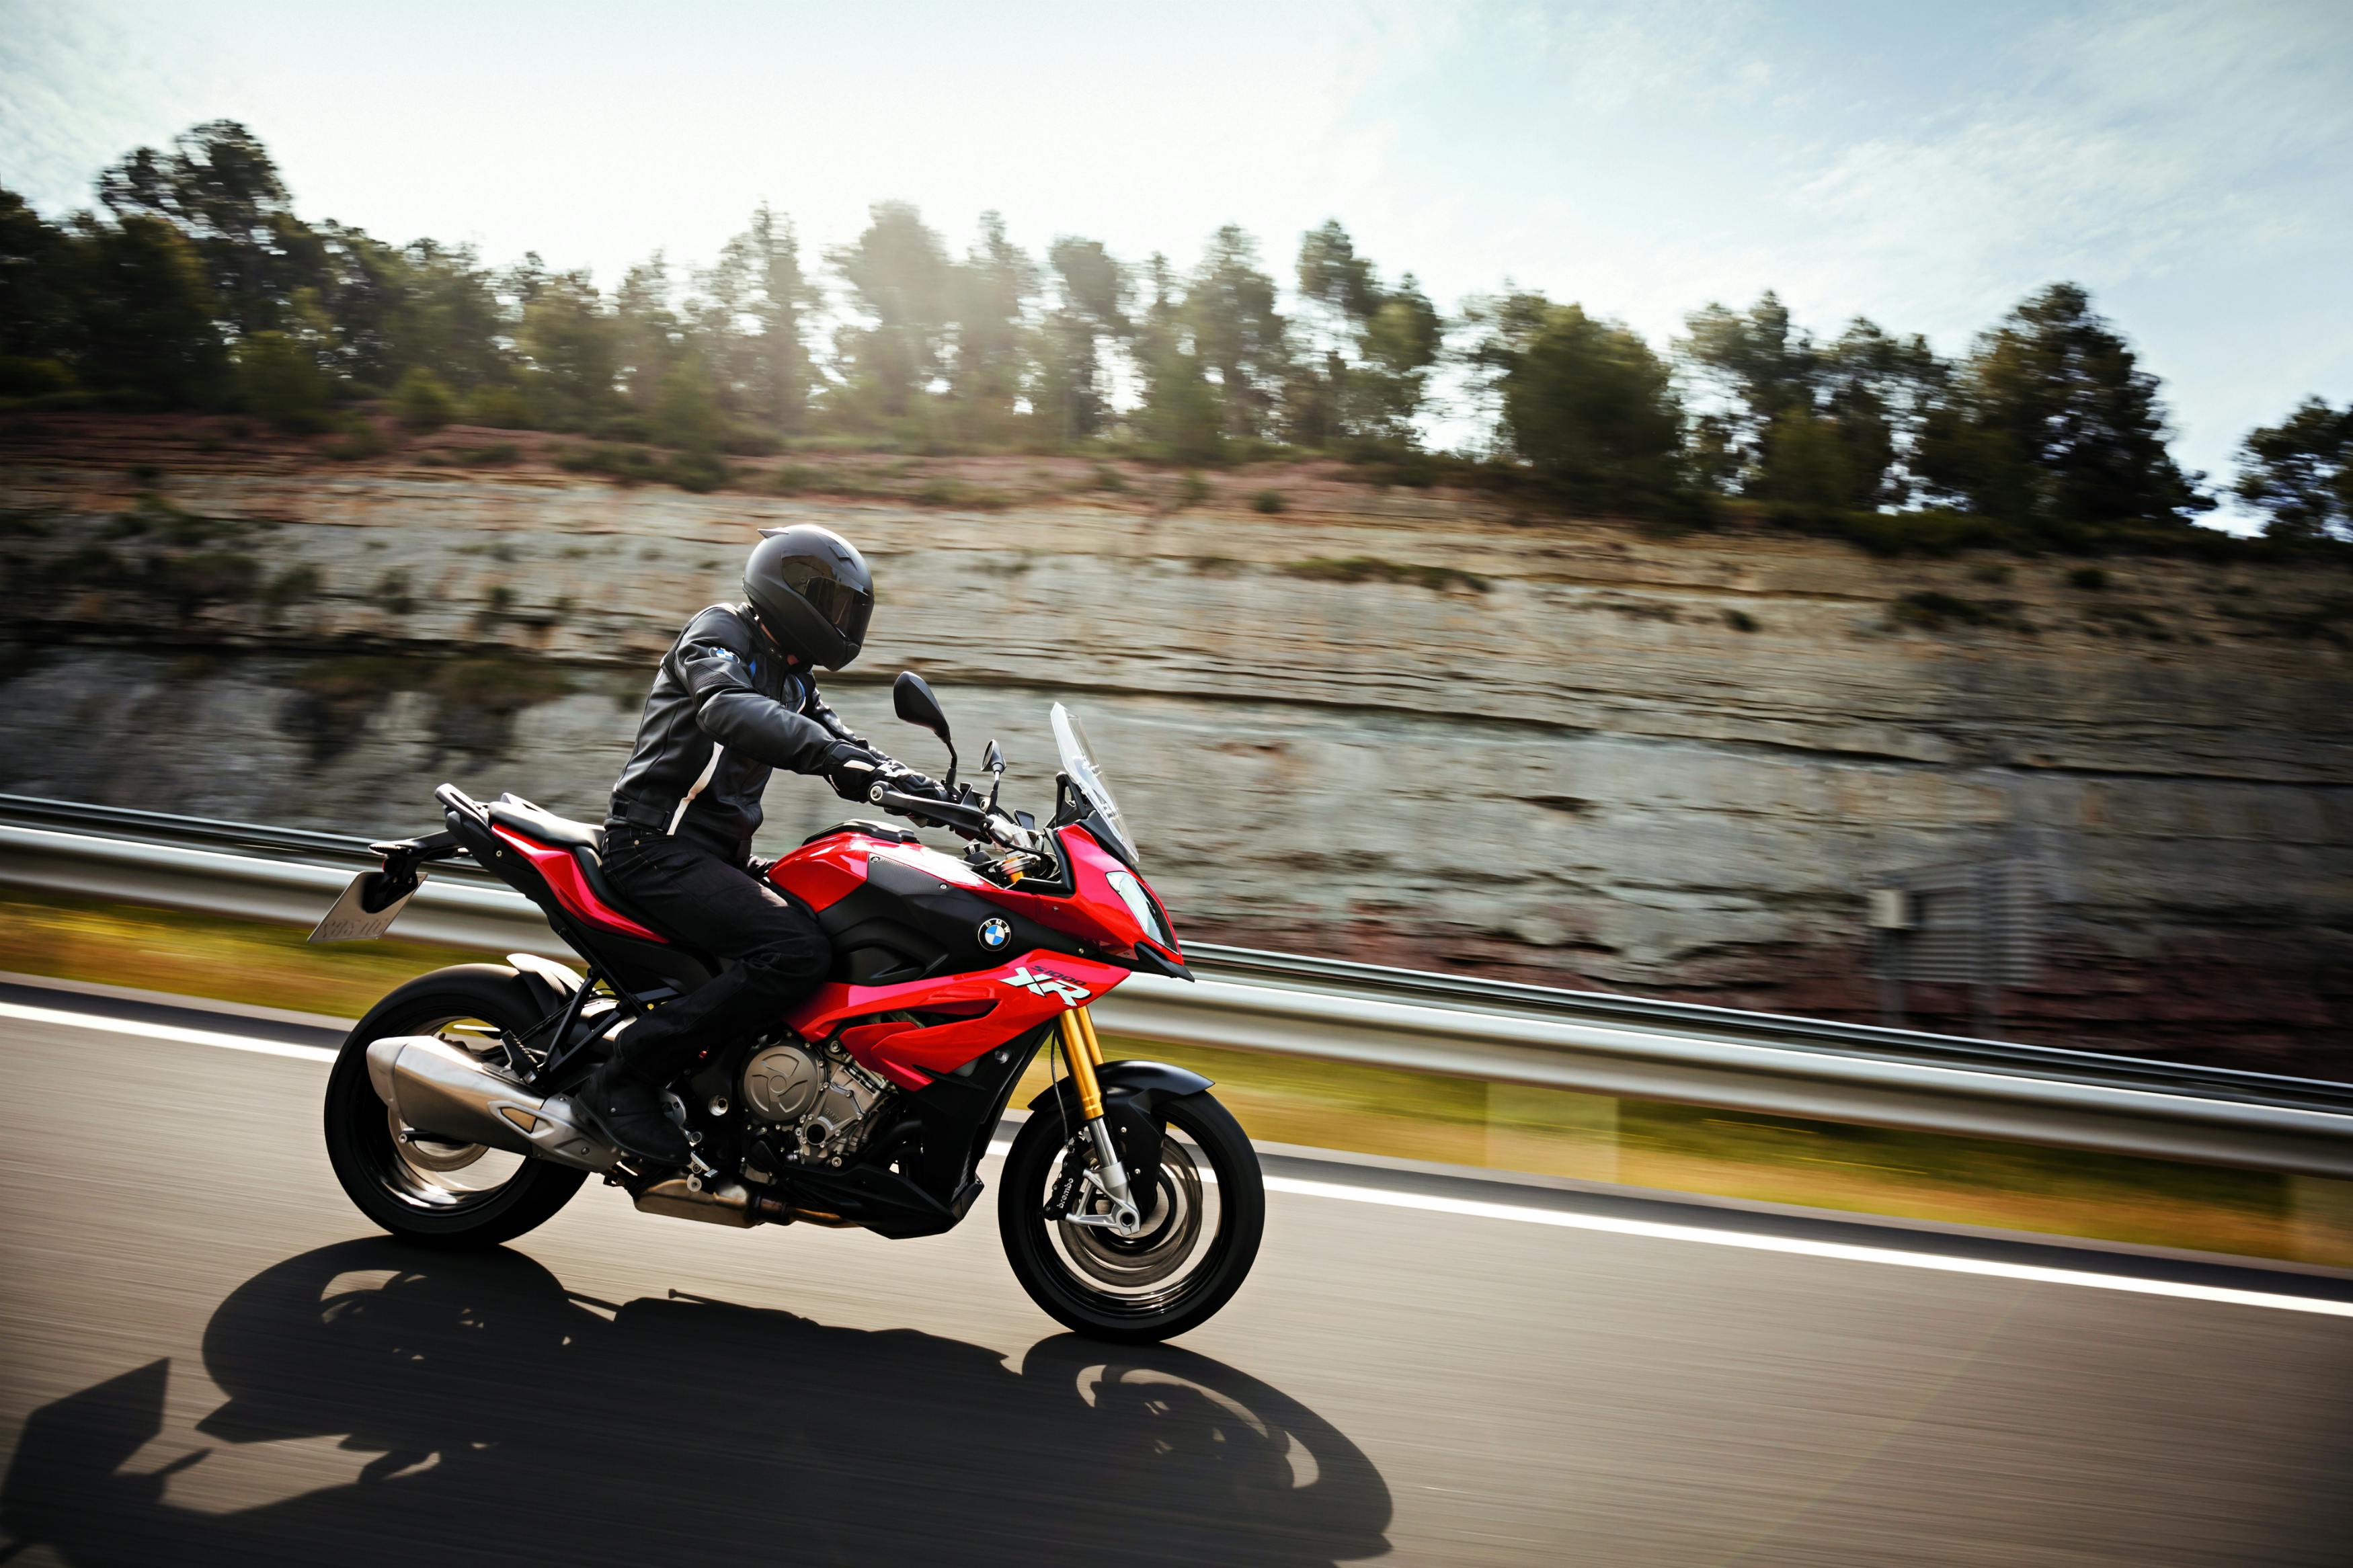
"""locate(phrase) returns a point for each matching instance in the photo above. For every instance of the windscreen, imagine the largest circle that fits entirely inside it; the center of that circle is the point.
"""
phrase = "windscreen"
(1079, 762)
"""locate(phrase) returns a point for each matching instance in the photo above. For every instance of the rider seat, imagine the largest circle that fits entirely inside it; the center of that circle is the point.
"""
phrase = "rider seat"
(585, 842)
(536, 822)
(633, 962)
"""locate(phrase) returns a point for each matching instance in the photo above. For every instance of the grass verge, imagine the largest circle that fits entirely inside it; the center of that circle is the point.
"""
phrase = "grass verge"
(1372, 1110)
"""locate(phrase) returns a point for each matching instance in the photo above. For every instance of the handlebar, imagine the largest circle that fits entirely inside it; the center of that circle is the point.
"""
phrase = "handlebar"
(971, 821)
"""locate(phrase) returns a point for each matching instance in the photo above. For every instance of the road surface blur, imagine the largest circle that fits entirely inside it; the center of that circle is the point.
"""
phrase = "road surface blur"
(207, 1356)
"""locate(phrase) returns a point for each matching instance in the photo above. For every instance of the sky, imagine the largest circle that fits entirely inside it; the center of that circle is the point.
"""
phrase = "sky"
(1925, 165)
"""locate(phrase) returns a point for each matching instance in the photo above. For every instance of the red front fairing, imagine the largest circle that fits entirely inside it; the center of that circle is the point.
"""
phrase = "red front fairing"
(995, 997)
(820, 874)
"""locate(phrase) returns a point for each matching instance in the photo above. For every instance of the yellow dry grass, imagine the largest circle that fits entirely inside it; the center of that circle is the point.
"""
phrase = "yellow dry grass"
(1412, 1116)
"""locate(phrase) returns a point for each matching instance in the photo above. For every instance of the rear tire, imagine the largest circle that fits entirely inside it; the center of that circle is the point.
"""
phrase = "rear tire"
(1186, 1264)
(413, 1191)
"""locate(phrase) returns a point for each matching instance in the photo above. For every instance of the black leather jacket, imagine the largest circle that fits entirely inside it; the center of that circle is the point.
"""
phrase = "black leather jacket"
(726, 709)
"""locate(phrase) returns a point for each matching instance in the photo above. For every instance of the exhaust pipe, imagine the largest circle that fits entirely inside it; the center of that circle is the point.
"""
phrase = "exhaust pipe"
(713, 1202)
(441, 1089)
(437, 1088)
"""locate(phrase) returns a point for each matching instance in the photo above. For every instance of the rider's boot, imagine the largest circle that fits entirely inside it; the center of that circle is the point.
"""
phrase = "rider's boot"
(632, 1114)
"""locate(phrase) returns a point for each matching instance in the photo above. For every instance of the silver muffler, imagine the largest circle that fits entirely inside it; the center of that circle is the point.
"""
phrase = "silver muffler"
(441, 1089)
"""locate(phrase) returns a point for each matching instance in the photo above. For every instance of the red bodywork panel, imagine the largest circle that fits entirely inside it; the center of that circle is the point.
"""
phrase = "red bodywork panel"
(1014, 999)
(571, 886)
(821, 873)
(975, 1011)
(993, 1005)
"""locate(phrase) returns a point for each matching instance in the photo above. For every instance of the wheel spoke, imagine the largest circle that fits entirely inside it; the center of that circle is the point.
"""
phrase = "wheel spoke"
(1179, 1200)
(426, 1170)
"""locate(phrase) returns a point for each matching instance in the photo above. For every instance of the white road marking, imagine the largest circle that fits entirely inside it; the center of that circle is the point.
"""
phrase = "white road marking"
(1467, 1207)
(165, 1032)
(1844, 1251)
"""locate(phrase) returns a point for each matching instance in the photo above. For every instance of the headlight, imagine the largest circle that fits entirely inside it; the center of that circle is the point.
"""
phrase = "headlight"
(1131, 893)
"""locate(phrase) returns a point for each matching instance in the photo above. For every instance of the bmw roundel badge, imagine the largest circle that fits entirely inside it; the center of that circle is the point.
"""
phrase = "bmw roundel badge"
(994, 933)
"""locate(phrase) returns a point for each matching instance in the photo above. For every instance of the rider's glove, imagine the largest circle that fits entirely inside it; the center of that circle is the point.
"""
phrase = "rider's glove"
(852, 771)
(907, 780)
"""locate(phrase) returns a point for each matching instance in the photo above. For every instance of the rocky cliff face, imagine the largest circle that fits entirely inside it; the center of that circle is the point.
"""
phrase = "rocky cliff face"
(1405, 726)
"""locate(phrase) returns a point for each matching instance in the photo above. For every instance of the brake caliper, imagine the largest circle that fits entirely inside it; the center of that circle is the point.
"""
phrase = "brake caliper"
(1067, 1185)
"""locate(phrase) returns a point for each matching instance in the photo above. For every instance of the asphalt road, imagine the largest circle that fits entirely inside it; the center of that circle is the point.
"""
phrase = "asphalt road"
(207, 1356)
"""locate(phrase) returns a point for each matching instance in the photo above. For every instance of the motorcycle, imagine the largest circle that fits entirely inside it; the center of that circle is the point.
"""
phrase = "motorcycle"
(1131, 1203)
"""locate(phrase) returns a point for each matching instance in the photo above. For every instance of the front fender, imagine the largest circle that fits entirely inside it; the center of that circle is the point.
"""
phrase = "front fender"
(1140, 1083)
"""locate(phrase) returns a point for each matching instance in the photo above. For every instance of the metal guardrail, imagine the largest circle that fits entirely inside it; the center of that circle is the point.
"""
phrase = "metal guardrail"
(1595, 1042)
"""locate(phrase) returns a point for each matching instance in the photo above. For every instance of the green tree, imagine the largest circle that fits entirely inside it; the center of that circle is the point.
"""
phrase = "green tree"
(1086, 318)
(1398, 346)
(423, 401)
(571, 364)
(992, 289)
(446, 317)
(38, 315)
(756, 303)
(1236, 333)
(1765, 364)
(278, 377)
(2052, 423)
(146, 315)
(219, 187)
(1370, 348)
(900, 275)
(1810, 460)
(1878, 392)
(1821, 425)
(2300, 471)
(647, 333)
(686, 411)
(1182, 416)
(360, 301)
(1583, 401)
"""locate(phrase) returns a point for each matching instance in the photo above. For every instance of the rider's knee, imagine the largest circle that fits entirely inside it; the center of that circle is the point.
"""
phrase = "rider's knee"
(790, 961)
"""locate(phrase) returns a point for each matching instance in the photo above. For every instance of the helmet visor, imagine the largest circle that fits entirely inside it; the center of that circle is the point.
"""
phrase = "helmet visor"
(845, 608)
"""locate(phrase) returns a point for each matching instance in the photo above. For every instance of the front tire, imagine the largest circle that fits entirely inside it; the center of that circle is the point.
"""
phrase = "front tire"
(1204, 1207)
(427, 1190)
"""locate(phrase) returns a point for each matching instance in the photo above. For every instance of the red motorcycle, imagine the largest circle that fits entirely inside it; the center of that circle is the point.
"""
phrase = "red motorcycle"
(1131, 1204)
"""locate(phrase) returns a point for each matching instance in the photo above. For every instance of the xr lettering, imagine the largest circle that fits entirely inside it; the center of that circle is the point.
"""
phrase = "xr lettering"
(1045, 985)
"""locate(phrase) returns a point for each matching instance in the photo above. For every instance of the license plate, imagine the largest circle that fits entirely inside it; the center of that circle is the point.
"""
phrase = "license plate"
(352, 920)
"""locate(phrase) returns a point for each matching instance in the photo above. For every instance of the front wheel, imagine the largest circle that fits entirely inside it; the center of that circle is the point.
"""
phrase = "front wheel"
(1203, 1206)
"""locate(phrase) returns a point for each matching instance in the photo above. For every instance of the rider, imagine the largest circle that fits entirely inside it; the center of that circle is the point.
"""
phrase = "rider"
(734, 699)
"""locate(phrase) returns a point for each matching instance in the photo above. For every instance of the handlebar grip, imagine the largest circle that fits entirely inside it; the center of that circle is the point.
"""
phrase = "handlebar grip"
(954, 815)
(899, 800)
(947, 812)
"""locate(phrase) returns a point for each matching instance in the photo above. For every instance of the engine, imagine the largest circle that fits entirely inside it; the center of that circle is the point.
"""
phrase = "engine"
(816, 1096)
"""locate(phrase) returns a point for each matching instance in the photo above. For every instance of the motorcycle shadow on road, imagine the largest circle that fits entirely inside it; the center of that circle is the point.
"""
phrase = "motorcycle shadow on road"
(514, 1421)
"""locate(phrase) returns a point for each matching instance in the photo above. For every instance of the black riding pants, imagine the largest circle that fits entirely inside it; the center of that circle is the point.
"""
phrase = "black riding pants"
(778, 953)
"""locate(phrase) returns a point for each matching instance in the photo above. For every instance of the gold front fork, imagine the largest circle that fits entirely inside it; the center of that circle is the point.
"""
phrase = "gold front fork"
(1085, 1054)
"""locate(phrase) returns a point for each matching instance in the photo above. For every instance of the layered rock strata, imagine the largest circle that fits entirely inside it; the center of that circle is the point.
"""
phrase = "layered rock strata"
(1396, 725)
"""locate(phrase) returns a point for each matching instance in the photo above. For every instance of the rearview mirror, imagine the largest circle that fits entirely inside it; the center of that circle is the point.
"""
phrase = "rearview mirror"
(992, 762)
(911, 696)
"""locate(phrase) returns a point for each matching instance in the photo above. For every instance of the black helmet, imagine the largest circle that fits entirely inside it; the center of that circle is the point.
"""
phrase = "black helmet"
(812, 591)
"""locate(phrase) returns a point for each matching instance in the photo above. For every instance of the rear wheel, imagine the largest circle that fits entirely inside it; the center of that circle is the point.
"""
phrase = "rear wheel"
(428, 1189)
(1203, 1204)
